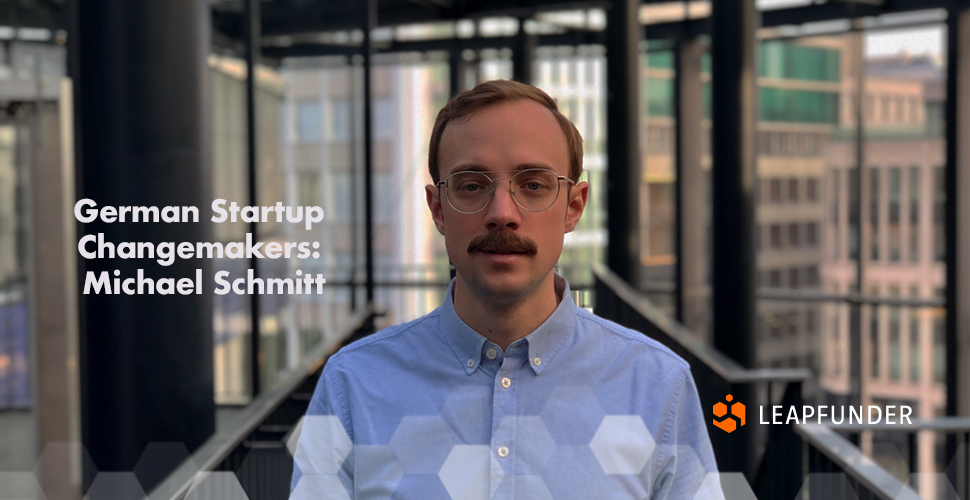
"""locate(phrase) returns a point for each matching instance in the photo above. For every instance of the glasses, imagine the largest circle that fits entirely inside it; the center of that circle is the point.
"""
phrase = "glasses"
(534, 189)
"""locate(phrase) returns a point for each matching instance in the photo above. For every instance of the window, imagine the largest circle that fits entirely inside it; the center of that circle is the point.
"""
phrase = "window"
(811, 190)
(384, 119)
(341, 120)
(834, 197)
(793, 190)
(914, 225)
(793, 239)
(812, 278)
(874, 342)
(874, 211)
(895, 349)
(659, 98)
(853, 205)
(774, 278)
(309, 189)
(775, 323)
(939, 213)
(915, 366)
(811, 145)
(800, 106)
(793, 275)
(342, 192)
(895, 236)
(792, 321)
(309, 121)
(811, 234)
(774, 143)
(775, 236)
(774, 190)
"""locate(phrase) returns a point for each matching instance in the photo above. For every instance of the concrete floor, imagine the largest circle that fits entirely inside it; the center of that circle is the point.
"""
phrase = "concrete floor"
(18, 441)
(18, 437)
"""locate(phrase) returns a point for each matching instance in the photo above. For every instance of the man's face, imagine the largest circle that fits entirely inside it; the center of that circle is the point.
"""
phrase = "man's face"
(505, 253)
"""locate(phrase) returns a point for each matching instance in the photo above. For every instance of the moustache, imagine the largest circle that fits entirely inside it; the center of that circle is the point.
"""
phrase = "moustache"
(503, 242)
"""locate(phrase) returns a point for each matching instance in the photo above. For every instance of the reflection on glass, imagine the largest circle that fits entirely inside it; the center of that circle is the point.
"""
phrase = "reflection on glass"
(575, 78)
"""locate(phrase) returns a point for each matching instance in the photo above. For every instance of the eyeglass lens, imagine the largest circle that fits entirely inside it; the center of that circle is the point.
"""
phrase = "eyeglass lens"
(533, 190)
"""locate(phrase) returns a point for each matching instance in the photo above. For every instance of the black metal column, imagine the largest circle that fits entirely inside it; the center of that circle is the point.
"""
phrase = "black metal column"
(732, 177)
(692, 258)
(523, 55)
(456, 72)
(252, 30)
(862, 207)
(957, 174)
(141, 100)
(958, 211)
(369, 22)
(622, 140)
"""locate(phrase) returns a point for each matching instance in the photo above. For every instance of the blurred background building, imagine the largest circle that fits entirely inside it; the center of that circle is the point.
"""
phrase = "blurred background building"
(776, 181)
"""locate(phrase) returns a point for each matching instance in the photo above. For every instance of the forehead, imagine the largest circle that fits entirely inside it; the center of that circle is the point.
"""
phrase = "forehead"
(507, 136)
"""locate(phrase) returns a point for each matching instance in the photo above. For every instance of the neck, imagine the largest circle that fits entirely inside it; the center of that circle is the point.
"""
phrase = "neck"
(505, 322)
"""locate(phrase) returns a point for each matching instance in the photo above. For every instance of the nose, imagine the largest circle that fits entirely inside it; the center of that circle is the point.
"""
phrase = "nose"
(502, 211)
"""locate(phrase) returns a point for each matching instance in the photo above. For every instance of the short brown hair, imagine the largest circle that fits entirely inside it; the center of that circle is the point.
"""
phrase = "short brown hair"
(497, 92)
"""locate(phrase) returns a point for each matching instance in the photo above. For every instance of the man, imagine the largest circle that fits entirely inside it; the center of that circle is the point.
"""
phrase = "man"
(508, 390)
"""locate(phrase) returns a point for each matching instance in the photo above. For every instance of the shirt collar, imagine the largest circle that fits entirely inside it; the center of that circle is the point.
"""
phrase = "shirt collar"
(544, 342)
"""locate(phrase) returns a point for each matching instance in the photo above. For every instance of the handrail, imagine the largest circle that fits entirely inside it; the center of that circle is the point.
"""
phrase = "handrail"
(940, 424)
(725, 367)
(851, 460)
(215, 449)
(849, 298)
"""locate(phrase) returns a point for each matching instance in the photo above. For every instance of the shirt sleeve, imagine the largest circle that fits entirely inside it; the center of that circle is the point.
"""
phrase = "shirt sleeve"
(688, 469)
(323, 459)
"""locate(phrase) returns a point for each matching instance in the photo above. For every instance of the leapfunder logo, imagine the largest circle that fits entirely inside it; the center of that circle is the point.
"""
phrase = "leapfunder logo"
(729, 424)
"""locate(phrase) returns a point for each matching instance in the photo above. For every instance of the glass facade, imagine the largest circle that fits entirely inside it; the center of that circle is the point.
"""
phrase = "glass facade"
(846, 253)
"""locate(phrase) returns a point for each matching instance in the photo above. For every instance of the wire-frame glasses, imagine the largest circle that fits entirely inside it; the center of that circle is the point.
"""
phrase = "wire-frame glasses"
(533, 189)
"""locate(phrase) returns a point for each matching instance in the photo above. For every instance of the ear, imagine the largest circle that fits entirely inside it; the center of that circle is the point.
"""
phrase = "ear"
(575, 204)
(431, 193)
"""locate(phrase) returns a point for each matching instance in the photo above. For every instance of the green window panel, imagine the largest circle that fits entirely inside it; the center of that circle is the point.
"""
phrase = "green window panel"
(661, 60)
(787, 60)
(659, 98)
(804, 106)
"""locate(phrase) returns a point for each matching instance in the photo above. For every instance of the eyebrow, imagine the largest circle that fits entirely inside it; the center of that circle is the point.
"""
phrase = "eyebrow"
(474, 167)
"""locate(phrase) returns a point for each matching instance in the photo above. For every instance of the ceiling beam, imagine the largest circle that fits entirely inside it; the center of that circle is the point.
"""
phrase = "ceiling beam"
(444, 44)
(333, 16)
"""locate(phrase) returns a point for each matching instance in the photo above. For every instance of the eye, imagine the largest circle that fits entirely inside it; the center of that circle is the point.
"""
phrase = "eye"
(470, 187)
(532, 186)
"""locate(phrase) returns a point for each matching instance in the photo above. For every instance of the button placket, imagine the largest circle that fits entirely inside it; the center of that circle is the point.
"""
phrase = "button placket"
(504, 405)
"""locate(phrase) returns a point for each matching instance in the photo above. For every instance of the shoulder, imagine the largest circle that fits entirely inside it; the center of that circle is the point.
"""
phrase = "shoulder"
(389, 342)
(633, 342)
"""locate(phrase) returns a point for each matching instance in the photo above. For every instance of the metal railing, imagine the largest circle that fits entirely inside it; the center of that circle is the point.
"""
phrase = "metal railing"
(252, 445)
(777, 473)
(828, 466)
(838, 470)
(955, 429)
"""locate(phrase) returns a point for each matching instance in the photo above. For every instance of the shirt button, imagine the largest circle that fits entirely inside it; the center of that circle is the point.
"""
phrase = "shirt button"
(537, 361)
(503, 451)
(471, 363)
(490, 354)
(506, 382)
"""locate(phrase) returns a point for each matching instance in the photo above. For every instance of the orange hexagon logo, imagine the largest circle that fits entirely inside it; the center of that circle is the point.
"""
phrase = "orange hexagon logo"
(731, 422)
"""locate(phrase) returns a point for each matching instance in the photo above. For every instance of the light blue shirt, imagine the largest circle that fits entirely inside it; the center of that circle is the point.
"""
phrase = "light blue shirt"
(581, 408)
